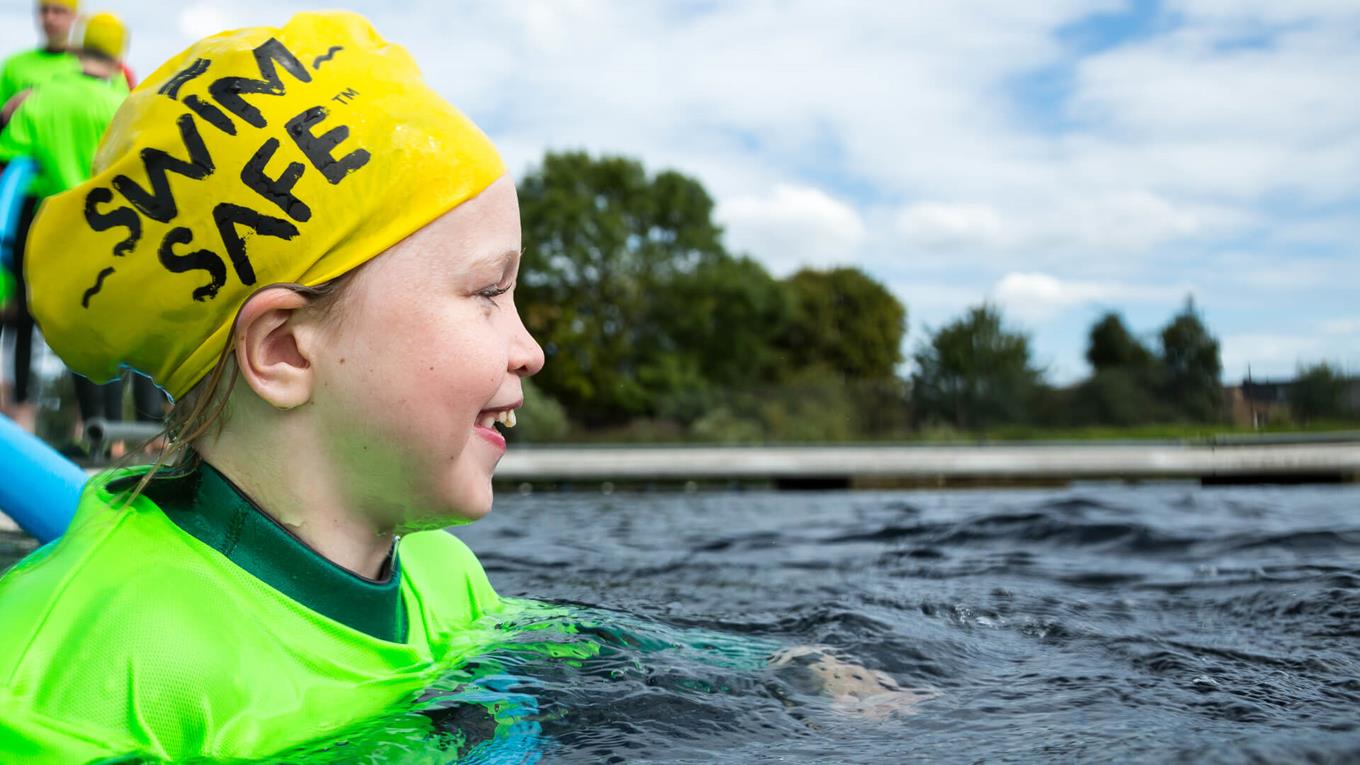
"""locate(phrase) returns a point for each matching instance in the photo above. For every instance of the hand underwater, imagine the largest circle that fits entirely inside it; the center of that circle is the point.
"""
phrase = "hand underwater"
(854, 689)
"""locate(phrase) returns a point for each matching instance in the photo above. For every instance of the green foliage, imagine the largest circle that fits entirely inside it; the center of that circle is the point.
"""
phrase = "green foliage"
(1319, 393)
(1191, 367)
(1125, 381)
(974, 373)
(543, 419)
(726, 314)
(1118, 396)
(844, 320)
(604, 244)
(644, 316)
(654, 331)
(722, 425)
(813, 405)
(1112, 346)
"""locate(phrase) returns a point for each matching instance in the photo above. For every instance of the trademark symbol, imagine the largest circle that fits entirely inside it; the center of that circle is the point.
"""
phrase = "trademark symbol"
(345, 96)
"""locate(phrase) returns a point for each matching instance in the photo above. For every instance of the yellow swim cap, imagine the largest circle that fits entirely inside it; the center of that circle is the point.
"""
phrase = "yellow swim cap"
(104, 33)
(71, 5)
(256, 157)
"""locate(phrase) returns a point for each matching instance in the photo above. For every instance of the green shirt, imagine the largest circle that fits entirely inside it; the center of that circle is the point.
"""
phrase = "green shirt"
(60, 125)
(35, 67)
(132, 634)
(208, 505)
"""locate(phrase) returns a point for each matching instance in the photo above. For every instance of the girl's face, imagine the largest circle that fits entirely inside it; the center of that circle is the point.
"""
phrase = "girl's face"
(425, 349)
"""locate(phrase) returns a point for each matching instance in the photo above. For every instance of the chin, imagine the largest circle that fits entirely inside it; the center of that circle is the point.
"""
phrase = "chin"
(454, 513)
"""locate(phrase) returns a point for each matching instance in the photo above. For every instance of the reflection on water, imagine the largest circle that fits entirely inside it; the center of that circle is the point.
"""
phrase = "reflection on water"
(1097, 623)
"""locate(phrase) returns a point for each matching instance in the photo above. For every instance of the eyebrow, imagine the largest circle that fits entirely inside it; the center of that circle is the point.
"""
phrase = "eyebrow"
(501, 260)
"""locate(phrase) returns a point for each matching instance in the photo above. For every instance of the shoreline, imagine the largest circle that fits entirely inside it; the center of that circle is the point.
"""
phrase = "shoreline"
(528, 468)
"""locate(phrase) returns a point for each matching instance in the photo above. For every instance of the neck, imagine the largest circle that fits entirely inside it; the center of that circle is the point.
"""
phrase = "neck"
(103, 70)
(294, 485)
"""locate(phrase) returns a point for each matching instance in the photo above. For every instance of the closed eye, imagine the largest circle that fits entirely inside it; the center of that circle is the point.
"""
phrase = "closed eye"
(491, 293)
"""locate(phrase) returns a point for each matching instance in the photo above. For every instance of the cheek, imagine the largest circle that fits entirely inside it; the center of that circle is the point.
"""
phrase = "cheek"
(461, 373)
(425, 370)
(364, 377)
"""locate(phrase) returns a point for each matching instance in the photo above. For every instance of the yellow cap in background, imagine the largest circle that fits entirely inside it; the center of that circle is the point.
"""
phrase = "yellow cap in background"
(104, 34)
(71, 5)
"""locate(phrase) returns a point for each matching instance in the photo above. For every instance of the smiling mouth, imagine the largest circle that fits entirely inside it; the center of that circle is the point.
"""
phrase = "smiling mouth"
(505, 418)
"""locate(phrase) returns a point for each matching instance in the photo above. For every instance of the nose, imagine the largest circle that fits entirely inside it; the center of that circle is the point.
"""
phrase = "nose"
(526, 355)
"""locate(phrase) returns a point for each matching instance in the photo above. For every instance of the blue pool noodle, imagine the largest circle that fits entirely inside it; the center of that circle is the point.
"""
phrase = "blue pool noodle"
(39, 488)
(13, 186)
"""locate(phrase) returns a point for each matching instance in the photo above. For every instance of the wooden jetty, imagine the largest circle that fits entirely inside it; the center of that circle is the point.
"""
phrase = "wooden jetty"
(1305, 459)
(910, 465)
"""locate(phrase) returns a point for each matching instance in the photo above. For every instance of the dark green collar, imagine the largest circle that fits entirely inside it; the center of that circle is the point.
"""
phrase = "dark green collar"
(207, 505)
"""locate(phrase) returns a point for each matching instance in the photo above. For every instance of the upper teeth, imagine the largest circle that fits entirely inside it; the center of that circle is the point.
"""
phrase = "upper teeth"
(506, 418)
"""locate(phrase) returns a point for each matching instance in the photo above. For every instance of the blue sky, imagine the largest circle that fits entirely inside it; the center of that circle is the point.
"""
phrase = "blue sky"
(1060, 159)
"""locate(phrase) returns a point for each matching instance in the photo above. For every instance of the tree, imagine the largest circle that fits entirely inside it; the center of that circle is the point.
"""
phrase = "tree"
(844, 320)
(1318, 393)
(1124, 382)
(543, 419)
(1118, 396)
(727, 314)
(602, 240)
(1191, 366)
(974, 373)
(626, 283)
(1112, 346)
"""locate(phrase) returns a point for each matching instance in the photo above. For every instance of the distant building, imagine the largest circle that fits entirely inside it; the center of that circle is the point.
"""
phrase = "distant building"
(1258, 403)
(1352, 395)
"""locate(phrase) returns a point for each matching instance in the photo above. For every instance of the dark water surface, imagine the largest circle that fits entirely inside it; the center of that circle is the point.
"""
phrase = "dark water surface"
(1100, 622)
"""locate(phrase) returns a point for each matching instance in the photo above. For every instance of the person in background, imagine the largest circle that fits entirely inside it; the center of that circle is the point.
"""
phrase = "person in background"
(128, 76)
(105, 34)
(24, 70)
(19, 73)
(58, 123)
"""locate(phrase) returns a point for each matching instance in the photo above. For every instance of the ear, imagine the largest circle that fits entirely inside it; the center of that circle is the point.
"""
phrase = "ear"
(273, 348)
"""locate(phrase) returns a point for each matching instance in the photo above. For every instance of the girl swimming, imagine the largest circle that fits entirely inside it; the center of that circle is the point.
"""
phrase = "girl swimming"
(315, 255)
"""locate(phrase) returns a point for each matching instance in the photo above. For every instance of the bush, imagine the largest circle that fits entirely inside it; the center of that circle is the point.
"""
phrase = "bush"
(542, 420)
(1319, 393)
(723, 426)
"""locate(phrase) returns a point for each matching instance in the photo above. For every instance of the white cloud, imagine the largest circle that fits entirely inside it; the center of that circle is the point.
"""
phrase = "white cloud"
(1255, 12)
(1349, 325)
(1061, 227)
(1126, 221)
(1179, 87)
(793, 226)
(934, 301)
(1036, 297)
(944, 226)
(1240, 101)
(1266, 273)
(204, 19)
(892, 135)
(1268, 354)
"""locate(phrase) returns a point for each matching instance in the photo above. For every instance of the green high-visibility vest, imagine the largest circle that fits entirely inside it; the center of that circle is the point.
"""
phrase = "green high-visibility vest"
(59, 126)
(34, 67)
(129, 634)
